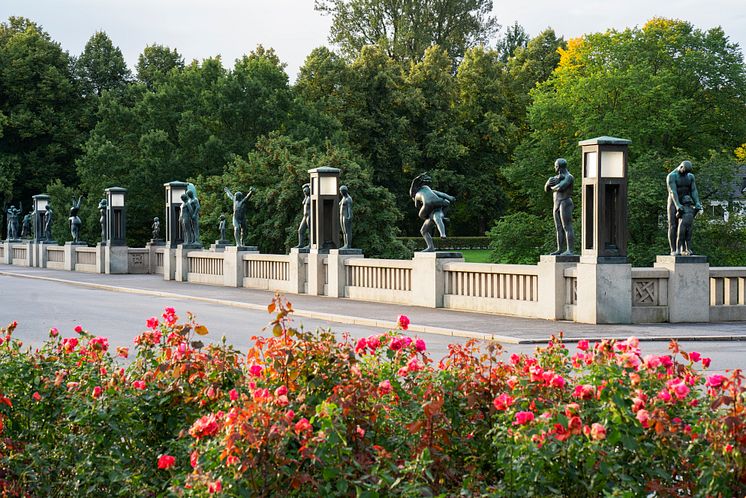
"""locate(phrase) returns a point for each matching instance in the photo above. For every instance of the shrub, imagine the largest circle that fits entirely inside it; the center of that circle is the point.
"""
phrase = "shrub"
(304, 414)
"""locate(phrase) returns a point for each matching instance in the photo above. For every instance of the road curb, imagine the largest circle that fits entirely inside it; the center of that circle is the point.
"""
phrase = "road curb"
(370, 322)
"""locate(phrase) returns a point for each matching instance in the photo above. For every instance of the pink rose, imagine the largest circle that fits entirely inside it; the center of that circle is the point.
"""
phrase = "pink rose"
(681, 390)
(419, 345)
(303, 425)
(165, 462)
(403, 322)
(281, 391)
(706, 362)
(289, 416)
(598, 432)
(255, 370)
(152, 323)
(664, 395)
(583, 345)
(384, 387)
(652, 361)
(557, 381)
(414, 365)
(215, 487)
(503, 402)
(523, 418)
(396, 344)
(78, 329)
(36, 396)
(233, 394)
(139, 384)
(53, 332)
(97, 392)
(644, 417)
(715, 380)
(361, 345)
(694, 356)
(374, 342)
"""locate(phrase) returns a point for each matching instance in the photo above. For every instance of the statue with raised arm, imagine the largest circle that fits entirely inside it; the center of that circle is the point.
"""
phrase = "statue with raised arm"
(680, 183)
(561, 187)
(48, 218)
(431, 205)
(304, 222)
(239, 214)
(74, 220)
(345, 216)
(194, 208)
(103, 205)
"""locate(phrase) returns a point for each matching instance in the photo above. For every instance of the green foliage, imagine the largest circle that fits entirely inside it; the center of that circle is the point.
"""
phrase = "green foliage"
(101, 66)
(40, 112)
(456, 243)
(407, 29)
(61, 198)
(155, 63)
(521, 238)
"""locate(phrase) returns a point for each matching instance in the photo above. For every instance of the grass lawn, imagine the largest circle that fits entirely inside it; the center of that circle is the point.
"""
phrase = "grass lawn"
(476, 255)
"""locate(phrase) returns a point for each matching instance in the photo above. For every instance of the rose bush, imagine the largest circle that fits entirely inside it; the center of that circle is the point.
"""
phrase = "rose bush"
(302, 413)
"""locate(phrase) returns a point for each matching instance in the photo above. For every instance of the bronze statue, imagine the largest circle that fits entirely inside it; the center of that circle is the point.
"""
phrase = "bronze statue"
(345, 216)
(680, 183)
(686, 221)
(156, 227)
(239, 214)
(431, 205)
(561, 187)
(102, 208)
(74, 220)
(194, 210)
(186, 219)
(13, 213)
(26, 227)
(304, 222)
(48, 218)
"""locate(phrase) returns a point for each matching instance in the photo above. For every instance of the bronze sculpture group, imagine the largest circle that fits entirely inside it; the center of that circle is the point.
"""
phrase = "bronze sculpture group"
(683, 204)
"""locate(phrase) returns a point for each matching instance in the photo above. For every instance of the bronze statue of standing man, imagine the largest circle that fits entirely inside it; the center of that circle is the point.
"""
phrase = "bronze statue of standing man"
(306, 219)
(680, 183)
(561, 187)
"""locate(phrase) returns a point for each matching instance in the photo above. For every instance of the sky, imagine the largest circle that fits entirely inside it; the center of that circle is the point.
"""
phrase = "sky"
(231, 28)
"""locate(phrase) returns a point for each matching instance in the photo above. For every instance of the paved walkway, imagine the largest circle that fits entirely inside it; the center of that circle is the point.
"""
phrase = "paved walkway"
(500, 328)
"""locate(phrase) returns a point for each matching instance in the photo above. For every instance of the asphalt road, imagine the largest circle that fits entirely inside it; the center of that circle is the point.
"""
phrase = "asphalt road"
(38, 305)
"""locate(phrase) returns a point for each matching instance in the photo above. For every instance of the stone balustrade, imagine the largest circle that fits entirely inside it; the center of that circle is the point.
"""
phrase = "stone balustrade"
(727, 294)
(677, 289)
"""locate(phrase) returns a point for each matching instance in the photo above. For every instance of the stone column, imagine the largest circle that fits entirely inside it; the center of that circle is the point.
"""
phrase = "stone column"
(182, 264)
(552, 289)
(316, 273)
(298, 270)
(32, 254)
(336, 268)
(169, 264)
(101, 257)
(233, 265)
(116, 259)
(70, 256)
(604, 291)
(41, 258)
(428, 281)
(7, 253)
(688, 287)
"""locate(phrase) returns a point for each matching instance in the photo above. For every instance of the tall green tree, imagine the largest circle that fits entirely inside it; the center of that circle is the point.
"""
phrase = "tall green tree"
(101, 66)
(40, 112)
(155, 62)
(407, 28)
(515, 37)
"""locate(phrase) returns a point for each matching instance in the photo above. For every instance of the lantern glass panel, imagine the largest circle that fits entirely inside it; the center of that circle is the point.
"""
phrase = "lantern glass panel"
(612, 164)
(176, 196)
(117, 200)
(328, 185)
(591, 164)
